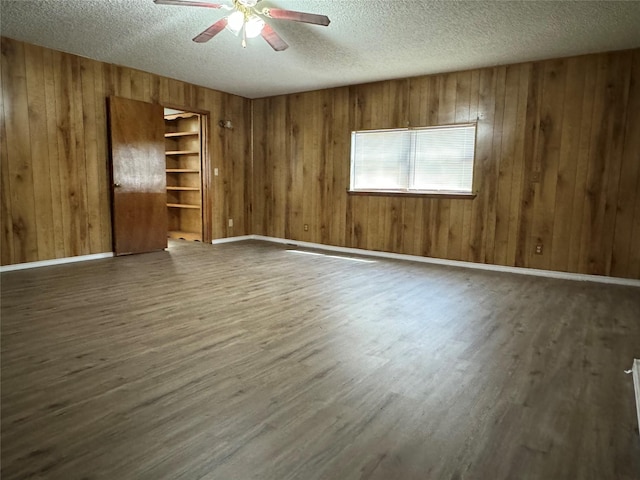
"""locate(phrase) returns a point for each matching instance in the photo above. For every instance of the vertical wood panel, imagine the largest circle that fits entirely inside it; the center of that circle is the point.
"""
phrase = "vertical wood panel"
(626, 254)
(596, 171)
(299, 172)
(58, 232)
(546, 160)
(217, 137)
(6, 225)
(39, 149)
(493, 165)
(484, 183)
(260, 183)
(325, 171)
(139, 86)
(618, 86)
(274, 151)
(91, 152)
(80, 202)
(225, 138)
(240, 155)
(101, 162)
(339, 131)
(531, 170)
(66, 134)
(518, 159)
(604, 162)
(503, 219)
(314, 141)
(19, 155)
(577, 220)
(122, 81)
(567, 166)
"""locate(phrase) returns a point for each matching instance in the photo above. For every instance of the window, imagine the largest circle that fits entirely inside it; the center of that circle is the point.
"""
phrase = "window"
(433, 160)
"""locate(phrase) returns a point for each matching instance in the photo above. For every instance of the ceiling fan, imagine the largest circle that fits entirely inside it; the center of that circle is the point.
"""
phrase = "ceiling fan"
(246, 18)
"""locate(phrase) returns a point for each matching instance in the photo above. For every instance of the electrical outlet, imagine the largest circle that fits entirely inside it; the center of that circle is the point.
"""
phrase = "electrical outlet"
(306, 227)
(539, 249)
(215, 172)
(231, 222)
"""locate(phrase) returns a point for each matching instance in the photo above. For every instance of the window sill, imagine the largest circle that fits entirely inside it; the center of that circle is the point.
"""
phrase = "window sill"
(402, 193)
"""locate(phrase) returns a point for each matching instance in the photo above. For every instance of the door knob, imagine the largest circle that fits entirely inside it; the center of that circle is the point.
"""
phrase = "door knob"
(116, 185)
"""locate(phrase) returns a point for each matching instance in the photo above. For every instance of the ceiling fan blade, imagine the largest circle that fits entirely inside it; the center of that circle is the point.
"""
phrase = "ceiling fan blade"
(297, 16)
(188, 3)
(273, 39)
(212, 31)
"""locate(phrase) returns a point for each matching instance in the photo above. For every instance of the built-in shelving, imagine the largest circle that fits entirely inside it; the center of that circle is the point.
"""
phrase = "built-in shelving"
(183, 150)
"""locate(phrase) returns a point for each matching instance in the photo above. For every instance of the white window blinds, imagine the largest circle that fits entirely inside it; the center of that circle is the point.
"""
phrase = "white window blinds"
(432, 160)
(379, 159)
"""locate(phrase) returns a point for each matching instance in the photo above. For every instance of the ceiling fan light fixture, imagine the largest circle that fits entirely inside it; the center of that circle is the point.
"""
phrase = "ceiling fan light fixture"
(246, 19)
(254, 26)
(235, 21)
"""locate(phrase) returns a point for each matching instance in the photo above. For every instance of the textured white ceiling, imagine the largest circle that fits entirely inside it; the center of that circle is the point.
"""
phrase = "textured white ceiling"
(367, 40)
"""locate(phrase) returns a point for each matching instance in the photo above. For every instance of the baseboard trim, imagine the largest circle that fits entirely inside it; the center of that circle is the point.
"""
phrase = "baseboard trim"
(55, 261)
(438, 261)
(240, 238)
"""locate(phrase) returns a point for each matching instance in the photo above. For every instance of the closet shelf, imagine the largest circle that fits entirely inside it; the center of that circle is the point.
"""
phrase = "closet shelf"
(180, 115)
(185, 189)
(180, 134)
(182, 152)
(182, 170)
(182, 205)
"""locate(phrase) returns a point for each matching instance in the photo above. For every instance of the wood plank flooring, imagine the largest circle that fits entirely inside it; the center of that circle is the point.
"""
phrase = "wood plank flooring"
(247, 361)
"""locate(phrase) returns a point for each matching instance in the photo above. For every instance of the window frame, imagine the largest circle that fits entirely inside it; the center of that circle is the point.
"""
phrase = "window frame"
(409, 192)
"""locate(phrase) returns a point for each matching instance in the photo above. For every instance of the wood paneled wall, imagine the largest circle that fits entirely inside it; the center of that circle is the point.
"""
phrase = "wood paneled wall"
(55, 199)
(557, 163)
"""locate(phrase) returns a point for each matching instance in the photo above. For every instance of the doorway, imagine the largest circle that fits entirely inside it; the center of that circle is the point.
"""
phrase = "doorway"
(185, 135)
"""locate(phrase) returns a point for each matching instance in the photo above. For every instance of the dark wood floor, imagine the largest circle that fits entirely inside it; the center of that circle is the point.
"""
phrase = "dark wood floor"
(245, 361)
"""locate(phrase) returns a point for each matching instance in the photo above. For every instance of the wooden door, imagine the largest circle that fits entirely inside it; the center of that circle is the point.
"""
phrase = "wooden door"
(139, 196)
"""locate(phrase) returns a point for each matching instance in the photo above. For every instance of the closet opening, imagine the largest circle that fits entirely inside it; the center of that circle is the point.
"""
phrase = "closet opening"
(188, 204)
